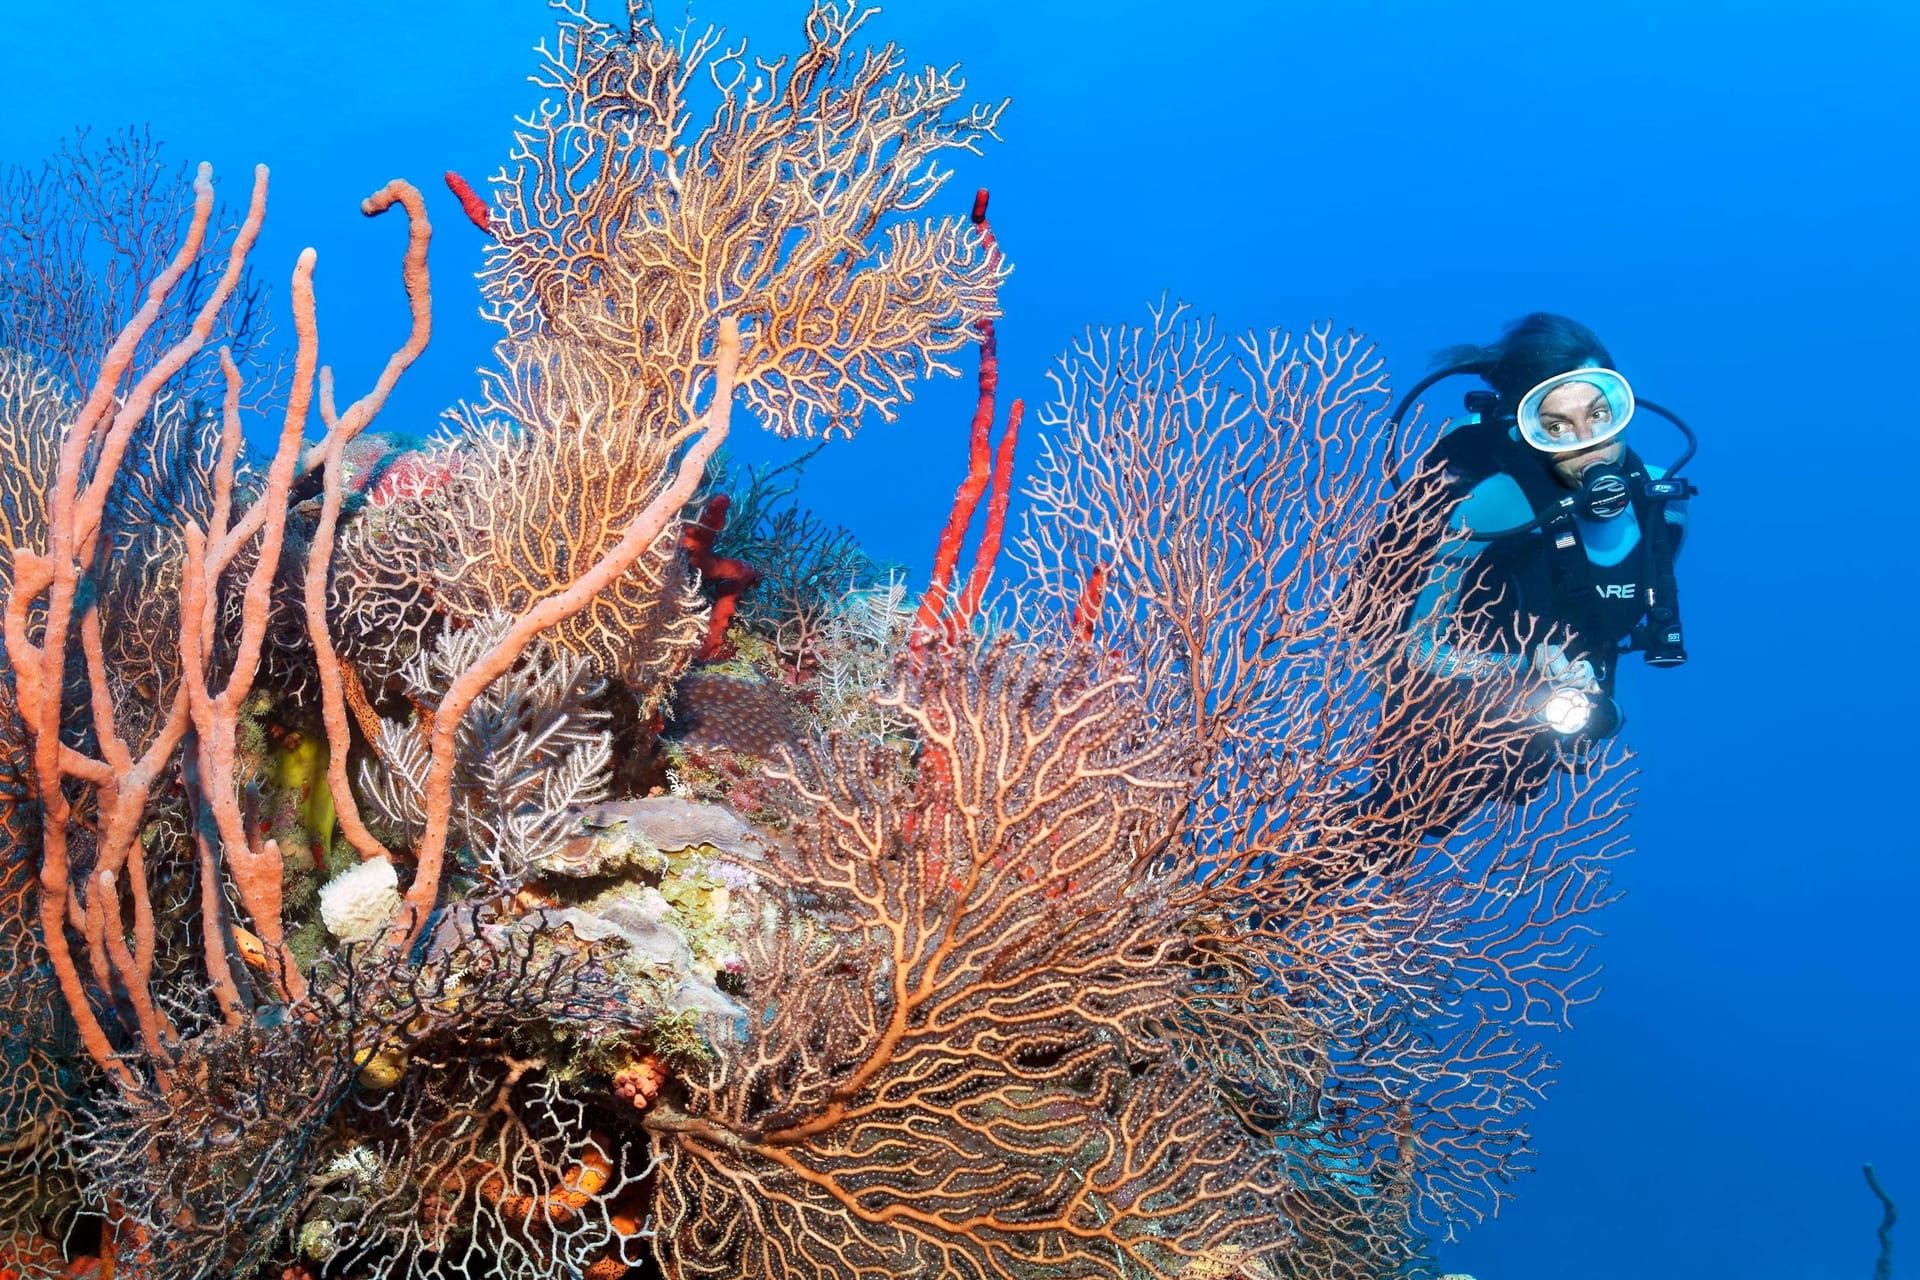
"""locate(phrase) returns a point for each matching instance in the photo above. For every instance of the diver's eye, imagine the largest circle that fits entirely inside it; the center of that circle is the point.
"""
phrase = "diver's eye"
(1556, 428)
(1603, 415)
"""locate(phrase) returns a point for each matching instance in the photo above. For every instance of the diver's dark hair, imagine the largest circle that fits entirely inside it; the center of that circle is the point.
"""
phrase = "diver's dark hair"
(1531, 350)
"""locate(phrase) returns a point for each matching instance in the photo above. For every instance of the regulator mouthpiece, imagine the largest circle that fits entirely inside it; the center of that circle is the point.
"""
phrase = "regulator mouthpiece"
(1604, 493)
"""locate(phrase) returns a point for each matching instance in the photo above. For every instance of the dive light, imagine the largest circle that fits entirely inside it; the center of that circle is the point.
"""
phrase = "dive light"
(1566, 711)
(1578, 714)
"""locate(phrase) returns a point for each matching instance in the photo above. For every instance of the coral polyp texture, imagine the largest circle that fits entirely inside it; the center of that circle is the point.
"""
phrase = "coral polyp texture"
(543, 851)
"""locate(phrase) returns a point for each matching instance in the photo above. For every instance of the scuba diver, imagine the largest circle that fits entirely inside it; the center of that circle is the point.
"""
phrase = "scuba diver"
(1565, 540)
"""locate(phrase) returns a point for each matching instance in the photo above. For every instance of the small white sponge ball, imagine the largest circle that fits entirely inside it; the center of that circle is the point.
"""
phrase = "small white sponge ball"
(359, 901)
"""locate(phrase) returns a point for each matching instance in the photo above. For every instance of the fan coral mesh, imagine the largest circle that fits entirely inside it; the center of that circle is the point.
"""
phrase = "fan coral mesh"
(950, 1068)
(527, 509)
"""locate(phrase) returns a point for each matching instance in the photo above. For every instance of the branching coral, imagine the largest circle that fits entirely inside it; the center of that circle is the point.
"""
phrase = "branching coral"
(532, 755)
(952, 1069)
(806, 567)
(269, 1143)
(821, 620)
(32, 1105)
(1359, 981)
(382, 594)
(524, 508)
(864, 630)
(456, 1150)
(81, 239)
(37, 1065)
(34, 407)
(473, 1166)
(258, 1097)
(625, 232)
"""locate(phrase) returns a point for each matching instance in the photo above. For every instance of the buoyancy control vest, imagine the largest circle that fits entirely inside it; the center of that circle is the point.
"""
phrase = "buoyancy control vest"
(1609, 586)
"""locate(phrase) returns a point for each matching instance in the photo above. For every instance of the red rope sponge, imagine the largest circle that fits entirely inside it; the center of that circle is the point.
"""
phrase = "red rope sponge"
(476, 208)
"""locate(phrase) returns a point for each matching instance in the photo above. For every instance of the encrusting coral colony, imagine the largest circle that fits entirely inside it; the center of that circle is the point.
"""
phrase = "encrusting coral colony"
(544, 852)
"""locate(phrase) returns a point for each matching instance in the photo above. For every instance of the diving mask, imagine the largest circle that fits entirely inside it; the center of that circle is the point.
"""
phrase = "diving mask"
(1575, 410)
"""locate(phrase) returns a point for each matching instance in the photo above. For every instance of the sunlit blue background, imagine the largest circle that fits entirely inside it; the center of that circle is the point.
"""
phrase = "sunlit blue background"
(1725, 191)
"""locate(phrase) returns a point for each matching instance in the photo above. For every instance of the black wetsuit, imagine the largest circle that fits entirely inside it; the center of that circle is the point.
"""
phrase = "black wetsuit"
(1592, 580)
(1579, 582)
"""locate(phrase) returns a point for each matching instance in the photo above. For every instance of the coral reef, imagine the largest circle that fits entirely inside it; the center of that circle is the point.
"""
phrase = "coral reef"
(988, 965)
(535, 852)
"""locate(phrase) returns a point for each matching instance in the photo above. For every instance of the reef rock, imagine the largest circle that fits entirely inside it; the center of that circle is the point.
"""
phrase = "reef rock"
(625, 833)
(632, 918)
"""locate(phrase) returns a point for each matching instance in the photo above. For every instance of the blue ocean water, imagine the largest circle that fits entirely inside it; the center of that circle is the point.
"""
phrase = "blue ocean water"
(1726, 192)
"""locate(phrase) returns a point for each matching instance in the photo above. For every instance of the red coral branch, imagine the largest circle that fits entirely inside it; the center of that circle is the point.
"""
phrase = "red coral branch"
(728, 577)
(946, 556)
(476, 209)
(997, 503)
(981, 463)
(1086, 614)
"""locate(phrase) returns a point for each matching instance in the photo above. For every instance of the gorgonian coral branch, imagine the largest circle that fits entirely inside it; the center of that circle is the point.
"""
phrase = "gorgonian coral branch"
(532, 754)
(627, 227)
(567, 599)
(629, 224)
(948, 1068)
(1370, 906)
(81, 239)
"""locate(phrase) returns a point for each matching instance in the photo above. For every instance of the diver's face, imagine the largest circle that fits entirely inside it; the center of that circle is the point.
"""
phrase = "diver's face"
(1579, 411)
(1575, 411)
